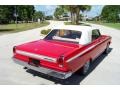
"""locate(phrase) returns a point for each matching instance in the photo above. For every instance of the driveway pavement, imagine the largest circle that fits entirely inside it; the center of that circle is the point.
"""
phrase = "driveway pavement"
(105, 70)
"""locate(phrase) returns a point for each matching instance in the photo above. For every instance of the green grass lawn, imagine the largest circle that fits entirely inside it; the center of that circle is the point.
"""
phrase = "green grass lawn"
(21, 27)
(113, 25)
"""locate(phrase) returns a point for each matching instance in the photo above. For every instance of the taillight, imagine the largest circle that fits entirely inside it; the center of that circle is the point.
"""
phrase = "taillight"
(14, 48)
(60, 61)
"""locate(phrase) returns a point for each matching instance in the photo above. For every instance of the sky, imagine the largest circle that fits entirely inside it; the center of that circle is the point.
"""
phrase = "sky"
(95, 11)
(49, 10)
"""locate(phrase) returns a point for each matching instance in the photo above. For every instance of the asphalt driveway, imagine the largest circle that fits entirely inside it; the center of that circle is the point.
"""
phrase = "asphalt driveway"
(105, 70)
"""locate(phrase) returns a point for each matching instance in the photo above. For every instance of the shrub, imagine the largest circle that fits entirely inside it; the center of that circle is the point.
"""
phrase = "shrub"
(45, 32)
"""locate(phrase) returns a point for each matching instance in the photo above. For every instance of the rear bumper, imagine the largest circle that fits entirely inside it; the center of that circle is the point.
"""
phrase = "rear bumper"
(57, 74)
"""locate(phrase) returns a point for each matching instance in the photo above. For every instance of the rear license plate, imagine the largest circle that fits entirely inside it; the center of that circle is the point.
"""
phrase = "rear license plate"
(34, 62)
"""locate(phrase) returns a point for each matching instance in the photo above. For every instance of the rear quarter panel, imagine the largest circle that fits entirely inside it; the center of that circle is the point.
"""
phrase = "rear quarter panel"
(88, 52)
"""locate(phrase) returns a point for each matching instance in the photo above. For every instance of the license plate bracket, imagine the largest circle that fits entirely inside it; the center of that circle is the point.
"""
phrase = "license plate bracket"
(34, 62)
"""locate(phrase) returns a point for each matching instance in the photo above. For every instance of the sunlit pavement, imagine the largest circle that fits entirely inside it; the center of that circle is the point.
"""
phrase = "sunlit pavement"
(106, 72)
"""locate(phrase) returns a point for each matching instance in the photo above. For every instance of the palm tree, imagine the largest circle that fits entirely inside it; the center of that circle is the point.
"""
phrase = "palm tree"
(71, 9)
(75, 11)
(81, 8)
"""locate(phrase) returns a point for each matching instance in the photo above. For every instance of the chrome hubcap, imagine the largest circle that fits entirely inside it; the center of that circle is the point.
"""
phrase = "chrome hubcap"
(107, 49)
(86, 67)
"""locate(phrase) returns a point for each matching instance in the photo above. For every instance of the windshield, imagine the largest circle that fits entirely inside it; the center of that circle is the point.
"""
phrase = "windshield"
(64, 35)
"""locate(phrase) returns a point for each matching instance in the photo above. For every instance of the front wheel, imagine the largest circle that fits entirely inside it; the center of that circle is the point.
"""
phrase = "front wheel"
(85, 68)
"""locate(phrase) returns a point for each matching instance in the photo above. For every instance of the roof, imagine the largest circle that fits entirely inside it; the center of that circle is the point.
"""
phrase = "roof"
(86, 32)
(75, 27)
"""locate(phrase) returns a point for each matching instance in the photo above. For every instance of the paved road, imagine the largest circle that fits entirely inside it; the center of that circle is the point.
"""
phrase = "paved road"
(108, 71)
(105, 70)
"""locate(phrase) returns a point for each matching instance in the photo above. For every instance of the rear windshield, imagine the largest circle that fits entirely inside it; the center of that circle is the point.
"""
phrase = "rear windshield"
(64, 35)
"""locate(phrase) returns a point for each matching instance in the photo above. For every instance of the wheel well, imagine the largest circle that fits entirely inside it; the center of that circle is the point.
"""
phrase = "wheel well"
(109, 43)
(91, 60)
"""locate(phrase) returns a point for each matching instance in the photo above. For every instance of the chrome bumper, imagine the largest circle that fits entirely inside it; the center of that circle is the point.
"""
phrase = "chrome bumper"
(57, 74)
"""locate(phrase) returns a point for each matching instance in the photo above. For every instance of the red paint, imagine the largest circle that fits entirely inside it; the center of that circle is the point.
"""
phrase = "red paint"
(55, 49)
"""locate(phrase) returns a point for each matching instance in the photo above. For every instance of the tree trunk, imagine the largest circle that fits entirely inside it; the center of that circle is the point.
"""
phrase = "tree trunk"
(72, 17)
(77, 16)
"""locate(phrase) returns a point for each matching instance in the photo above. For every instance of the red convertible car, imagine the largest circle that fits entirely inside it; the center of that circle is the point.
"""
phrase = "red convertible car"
(65, 50)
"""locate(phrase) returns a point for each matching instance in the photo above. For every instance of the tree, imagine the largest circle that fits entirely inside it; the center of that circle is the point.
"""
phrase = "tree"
(110, 13)
(58, 12)
(75, 11)
(81, 8)
(6, 13)
(25, 12)
(50, 17)
(69, 8)
(39, 15)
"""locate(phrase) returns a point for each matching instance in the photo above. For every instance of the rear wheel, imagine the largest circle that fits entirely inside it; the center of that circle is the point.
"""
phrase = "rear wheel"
(85, 68)
(107, 49)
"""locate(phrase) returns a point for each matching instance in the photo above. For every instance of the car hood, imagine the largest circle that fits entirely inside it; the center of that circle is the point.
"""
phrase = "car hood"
(48, 47)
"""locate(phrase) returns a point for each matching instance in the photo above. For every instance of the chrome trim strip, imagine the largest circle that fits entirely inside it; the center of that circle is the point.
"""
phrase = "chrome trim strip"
(57, 74)
(37, 56)
(81, 53)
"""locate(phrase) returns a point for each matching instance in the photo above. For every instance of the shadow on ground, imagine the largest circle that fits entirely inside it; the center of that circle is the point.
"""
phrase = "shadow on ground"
(76, 78)
(6, 30)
